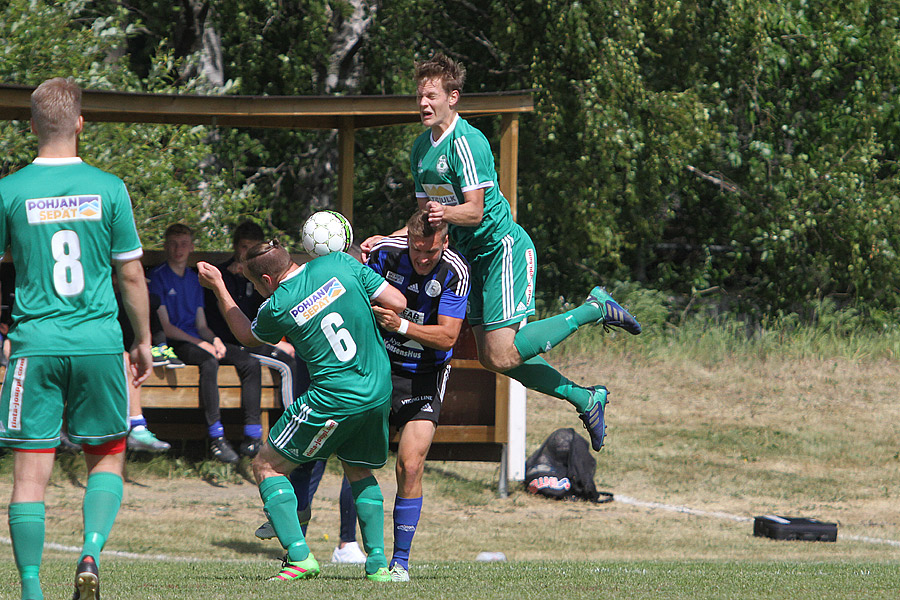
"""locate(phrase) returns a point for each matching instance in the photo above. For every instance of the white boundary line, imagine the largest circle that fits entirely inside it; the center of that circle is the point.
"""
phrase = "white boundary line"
(616, 497)
(722, 515)
(117, 553)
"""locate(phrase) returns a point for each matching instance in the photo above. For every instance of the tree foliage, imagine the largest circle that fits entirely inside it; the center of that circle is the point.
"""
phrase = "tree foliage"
(746, 144)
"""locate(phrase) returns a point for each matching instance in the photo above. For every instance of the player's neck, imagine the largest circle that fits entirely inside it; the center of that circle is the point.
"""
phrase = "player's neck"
(58, 149)
(178, 267)
(441, 128)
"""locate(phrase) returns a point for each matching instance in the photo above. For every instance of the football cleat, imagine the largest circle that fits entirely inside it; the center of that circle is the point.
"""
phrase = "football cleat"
(222, 451)
(142, 439)
(301, 569)
(350, 553)
(158, 354)
(250, 446)
(613, 314)
(173, 361)
(398, 573)
(593, 417)
(266, 531)
(381, 575)
(87, 580)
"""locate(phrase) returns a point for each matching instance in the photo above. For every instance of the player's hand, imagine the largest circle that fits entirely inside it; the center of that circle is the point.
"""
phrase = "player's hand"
(210, 276)
(435, 213)
(209, 347)
(140, 363)
(366, 247)
(220, 348)
(386, 319)
(286, 347)
(236, 268)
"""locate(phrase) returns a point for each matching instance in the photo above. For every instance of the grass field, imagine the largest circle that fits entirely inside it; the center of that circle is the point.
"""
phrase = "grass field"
(701, 439)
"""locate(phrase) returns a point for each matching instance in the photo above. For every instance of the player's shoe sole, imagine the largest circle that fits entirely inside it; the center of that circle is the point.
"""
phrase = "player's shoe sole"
(594, 417)
(87, 580)
(307, 568)
(613, 313)
(382, 575)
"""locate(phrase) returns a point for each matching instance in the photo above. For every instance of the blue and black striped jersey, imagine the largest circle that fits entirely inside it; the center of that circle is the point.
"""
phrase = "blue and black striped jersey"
(444, 291)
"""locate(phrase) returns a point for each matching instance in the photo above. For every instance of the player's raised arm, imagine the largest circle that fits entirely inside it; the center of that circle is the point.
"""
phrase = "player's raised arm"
(238, 323)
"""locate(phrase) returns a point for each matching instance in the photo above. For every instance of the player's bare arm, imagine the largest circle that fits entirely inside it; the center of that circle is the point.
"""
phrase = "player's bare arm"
(133, 285)
(390, 298)
(210, 277)
(176, 333)
(208, 334)
(441, 336)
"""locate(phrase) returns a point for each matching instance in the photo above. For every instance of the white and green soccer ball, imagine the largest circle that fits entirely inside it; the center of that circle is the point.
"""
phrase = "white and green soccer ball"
(325, 232)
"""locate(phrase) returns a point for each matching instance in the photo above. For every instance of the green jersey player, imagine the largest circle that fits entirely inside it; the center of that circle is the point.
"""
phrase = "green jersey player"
(324, 310)
(456, 182)
(68, 225)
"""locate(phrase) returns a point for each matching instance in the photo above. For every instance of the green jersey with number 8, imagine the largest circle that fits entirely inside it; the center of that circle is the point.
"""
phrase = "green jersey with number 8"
(324, 310)
(65, 222)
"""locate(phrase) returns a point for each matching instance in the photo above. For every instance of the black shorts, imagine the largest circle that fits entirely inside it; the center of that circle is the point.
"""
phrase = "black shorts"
(418, 396)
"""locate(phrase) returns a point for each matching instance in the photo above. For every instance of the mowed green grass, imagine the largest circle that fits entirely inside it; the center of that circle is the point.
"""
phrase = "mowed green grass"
(689, 580)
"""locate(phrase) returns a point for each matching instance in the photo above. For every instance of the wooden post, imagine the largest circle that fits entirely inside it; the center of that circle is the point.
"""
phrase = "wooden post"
(508, 172)
(346, 135)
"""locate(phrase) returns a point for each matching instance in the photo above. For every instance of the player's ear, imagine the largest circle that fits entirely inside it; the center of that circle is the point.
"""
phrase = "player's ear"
(454, 98)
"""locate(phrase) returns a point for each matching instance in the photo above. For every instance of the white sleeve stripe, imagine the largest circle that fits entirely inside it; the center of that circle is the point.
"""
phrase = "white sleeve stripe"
(470, 173)
(479, 186)
(462, 271)
(380, 289)
(391, 242)
(130, 255)
(421, 195)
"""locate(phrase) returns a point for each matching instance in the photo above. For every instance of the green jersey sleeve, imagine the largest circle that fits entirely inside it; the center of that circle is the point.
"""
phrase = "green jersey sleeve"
(265, 326)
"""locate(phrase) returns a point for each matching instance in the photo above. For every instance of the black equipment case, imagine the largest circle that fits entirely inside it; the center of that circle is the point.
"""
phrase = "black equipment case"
(794, 528)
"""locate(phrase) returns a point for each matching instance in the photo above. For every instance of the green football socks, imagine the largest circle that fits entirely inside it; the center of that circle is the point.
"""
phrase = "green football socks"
(541, 336)
(537, 374)
(26, 528)
(280, 505)
(102, 499)
(370, 510)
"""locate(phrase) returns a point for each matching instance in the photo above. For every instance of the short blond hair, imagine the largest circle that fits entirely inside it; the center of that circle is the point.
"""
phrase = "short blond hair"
(55, 108)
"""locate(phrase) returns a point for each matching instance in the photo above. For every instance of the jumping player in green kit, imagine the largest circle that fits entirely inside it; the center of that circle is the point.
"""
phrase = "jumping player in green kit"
(455, 181)
(68, 225)
(324, 309)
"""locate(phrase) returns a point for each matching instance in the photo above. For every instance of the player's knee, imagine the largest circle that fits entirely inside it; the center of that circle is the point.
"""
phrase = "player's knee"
(498, 362)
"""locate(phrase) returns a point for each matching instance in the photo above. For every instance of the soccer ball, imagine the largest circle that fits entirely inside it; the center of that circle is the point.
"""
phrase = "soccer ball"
(325, 232)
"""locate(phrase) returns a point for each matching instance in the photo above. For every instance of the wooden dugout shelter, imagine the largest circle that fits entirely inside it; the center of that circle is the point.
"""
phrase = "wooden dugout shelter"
(346, 114)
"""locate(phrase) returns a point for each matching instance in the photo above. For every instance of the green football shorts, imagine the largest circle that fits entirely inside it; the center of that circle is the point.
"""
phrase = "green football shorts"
(90, 390)
(303, 434)
(503, 282)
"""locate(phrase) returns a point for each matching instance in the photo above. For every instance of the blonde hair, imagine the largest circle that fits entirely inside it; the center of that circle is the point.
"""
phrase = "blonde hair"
(55, 108)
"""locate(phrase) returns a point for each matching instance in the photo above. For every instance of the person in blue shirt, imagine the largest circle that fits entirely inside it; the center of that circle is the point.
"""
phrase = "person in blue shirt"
(183, 317)
(434, 278)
